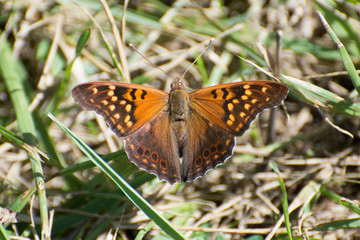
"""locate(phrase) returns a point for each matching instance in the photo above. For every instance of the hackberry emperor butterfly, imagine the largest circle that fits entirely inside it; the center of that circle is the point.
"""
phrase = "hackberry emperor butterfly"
(161, 128)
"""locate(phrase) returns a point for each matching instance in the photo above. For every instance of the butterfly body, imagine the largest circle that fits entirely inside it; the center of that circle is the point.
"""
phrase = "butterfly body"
(179, 136)
(179, 110)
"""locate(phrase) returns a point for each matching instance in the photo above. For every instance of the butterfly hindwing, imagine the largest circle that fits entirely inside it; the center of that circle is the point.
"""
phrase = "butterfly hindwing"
(125, 107)
(153, 148)
(206, 146)
(234, 106)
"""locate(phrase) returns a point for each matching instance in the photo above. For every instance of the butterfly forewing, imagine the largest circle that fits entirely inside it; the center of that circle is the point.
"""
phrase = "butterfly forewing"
(125, 107)
(234, 106)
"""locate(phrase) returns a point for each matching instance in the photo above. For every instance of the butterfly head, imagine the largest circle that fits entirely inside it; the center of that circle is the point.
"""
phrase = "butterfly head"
(177, 84)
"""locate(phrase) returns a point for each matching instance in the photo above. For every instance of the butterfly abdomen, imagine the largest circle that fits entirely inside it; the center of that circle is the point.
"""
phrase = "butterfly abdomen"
(179, 112)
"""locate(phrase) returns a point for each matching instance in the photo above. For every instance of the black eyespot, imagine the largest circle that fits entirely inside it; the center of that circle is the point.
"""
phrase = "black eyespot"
(198, 162)
(155, 157)
(163, 164)
(147, 152)
(140, 151)
(206, 153)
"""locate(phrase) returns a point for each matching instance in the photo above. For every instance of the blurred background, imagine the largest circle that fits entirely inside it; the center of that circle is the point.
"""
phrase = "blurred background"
(48, 47)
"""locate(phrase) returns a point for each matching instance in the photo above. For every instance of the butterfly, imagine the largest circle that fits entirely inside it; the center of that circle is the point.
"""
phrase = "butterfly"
(180, 135)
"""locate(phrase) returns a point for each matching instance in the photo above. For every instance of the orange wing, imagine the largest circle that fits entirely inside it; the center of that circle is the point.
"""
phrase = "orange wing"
(125, 107)
(219, 113)
(234, 106)
(140, 115)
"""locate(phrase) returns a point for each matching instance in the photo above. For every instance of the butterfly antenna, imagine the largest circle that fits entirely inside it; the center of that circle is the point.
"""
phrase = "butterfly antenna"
(202, 52)
(152, 64)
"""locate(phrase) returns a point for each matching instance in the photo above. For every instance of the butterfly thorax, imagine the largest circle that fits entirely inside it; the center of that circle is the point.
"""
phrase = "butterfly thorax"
(179, 110)
(179, 104)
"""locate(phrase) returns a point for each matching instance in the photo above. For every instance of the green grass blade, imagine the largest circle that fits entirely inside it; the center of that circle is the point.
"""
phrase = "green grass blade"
(84, 37)
(20, 202)
(284, 199)
(344, 55)
(321, 97)
(3, 234)
(62, 88)
(11, 137)
(337, 198)
(133, 196)
(341, 224)
(16, 86)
